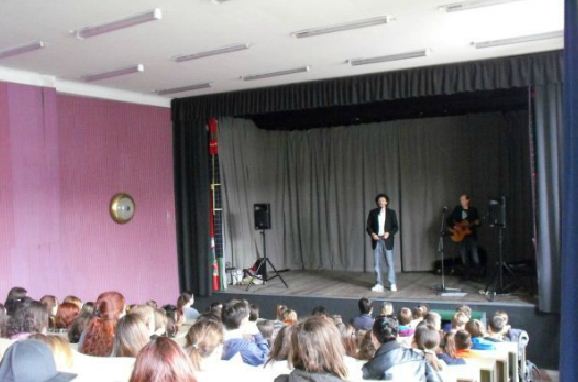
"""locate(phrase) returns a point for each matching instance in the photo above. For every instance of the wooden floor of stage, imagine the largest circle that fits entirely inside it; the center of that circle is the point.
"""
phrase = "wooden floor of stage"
(414, 286)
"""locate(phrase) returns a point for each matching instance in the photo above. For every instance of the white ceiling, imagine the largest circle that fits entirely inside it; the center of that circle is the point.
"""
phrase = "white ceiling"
(189, 26)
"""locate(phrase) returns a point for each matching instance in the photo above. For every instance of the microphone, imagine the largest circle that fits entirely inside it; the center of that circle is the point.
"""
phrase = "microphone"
(445, 208)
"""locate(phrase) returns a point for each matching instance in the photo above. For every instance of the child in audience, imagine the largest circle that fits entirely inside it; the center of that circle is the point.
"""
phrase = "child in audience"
(87, 308)
(77, 327)
(319, 310)
(386, 309)
(417, 313)
(73, 300)
(14, 298)
(463, 344)
(405, 333)
(427, 339)
(459, 321)
(147, 315)
(253, 349)
(316, 352)
(61, 350)
(465, 310)
(369, 346)
(130, 336)
(65, 315)
(364, 320)
(349, 340)
(215, 309)
(477, 330)
(97, 338)
(185, 310)
(254, 312)
(30, 317)
(448, 355)
(162, 360)
(291, 317)
(279, 354)
(161, 322)
(498, 327)
(51, 304)
(433, 319)
(267, 330)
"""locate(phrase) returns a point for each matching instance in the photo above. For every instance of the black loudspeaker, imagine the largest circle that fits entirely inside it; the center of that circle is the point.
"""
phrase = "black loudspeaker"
(497, 212)
(262, 216)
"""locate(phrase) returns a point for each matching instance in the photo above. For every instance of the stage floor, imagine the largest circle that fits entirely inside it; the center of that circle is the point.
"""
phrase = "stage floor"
(414, 286)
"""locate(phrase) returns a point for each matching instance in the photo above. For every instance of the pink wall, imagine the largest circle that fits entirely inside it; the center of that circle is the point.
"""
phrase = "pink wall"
(61, 160)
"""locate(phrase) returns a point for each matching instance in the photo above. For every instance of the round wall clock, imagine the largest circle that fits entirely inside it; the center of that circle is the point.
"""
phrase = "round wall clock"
(122, 208)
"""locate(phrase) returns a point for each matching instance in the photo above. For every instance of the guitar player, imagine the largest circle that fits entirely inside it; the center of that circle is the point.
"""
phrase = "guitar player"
(465, 218)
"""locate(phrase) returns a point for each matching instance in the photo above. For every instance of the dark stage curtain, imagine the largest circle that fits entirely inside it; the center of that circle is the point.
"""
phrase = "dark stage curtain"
(502, 73)
(321, 183)
(569, 232)
(191, 167)
(548, 129)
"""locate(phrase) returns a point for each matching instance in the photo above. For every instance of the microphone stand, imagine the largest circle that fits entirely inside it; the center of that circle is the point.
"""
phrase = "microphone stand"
(442, 289)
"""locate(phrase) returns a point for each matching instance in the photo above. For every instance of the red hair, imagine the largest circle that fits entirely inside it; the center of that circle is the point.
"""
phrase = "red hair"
(162, 360)
(65, 314)
(99, 335)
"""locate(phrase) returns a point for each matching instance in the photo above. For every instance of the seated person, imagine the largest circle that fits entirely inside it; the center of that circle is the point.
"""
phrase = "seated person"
(463, 343)
(252, 348)
(162, 359)
(185, 310)
(498, 327)
(364, 321)
(393, 362)
(480, 341)
(418, 313)
(316, 353)
(427, 339)
(448, 353)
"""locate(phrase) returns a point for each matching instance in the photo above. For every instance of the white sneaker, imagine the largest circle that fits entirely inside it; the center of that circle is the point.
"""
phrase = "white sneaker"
(393, 288)
(378, 288)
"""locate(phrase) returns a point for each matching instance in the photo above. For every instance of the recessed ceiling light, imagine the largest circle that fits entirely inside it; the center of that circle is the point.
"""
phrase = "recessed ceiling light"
(183, 89)
(128, 22)
(214, 52)
(114, 73)
(389, 57)
(253, 77)
(21, 49)
(358, 24)
(519, 39)
(473, 4)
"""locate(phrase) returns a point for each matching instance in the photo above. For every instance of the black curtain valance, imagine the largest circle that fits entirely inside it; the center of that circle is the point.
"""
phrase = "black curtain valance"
(502, 73)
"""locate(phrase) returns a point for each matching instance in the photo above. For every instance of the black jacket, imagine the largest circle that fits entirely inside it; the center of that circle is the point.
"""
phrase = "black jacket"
(471, 217)
(395, 363)
(390, 226)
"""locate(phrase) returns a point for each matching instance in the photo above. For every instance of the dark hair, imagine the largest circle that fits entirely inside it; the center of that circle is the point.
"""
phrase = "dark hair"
(349, 339)
(266, 328)
(434, 319)
(88, 308)
(428, 340)
(29, 317)
(381, 196)
(405, 316)
(364, 305)
(465, 310)
(202, 340)
(319, 310)
(450, 344)
(253, 312)
(130, 336)
(77, 327)
(497, 323)
(282, 344)
(368, 346)
(14, 297)
(385, 328)
(280, 312)
(233, 314)
(216, 309)
(182, 301)
(463, 340)
(476, 328)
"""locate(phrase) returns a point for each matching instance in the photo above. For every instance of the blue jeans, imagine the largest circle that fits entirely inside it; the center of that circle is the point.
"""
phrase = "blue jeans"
(380, 253)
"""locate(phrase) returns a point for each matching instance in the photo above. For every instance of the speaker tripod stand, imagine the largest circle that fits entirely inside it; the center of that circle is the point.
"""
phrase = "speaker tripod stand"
(496, 284)
(262, 267)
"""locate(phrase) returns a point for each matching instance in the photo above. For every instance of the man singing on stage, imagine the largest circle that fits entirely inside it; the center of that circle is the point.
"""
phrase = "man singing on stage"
(465, 218)
(382, 227)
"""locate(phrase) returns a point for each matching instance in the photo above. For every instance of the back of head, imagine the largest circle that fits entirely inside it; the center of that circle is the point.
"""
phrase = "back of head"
(266, 328)
(66, 314)
(98, 337)
(405, 316)
(216, 309)
(459, 320)
(280, 312)
(87, 308)
(386, 309)
(162, 360)
(233, 314)
(364, 305)
(433, 319)
(319, 310)
(349, 339)
(14, 297)
(385, 328)
(161, 321)
(427, 337)
(60, 349)
(316, 348)
(202, 339)
(110, 305)
(253, 312)
(147, 315)
(497, 324)
(462, 340)
(73, 300)
(282, 344)
(50, 302)
(368, 347)
(29, 317)
(476, 328)
(291, 317)
(77, 327)
(450, 343)
(131, 335)
(465, 310)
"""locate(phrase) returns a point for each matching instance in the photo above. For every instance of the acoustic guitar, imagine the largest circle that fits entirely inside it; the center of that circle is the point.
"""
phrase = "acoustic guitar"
(460, 230)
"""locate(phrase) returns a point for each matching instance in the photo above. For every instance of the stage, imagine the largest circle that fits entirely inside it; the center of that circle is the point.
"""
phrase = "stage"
(412, 287)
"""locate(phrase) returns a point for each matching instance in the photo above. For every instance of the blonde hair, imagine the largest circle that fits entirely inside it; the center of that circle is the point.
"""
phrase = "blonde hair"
(459, 320)
(202, 340)
(131, 335)
(61, 351)
(386, 309)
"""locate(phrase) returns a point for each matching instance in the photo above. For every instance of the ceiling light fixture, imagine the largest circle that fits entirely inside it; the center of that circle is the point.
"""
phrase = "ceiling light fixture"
(254, 77)
(389, 58)
(214, 52)
(115, 73)
(473, 4)
(30, 47)
(128, 22)
(342, 27)
(182, 89)
(519, 40)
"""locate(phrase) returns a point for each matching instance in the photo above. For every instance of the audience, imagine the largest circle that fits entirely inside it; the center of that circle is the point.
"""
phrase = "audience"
(254, 349)
(463, 345)
(459, 321)
(97, 338)
(427, 339)
(61, 350)
(319, 310)
(14, 297)
(316, 353)
(291, 317)
(185, 310)
(364, 320)
(73, 300)
(477, 330)
(162, 360)
(130, 336)
(77, 327)
(448, 355)
(51, 304)
(65, 315)
(392, 361)
(368, 347)
(29, 318)
(386, 309)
